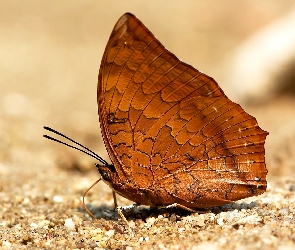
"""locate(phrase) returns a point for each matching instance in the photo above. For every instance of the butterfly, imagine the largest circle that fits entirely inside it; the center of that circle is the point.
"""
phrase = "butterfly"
(172, 135)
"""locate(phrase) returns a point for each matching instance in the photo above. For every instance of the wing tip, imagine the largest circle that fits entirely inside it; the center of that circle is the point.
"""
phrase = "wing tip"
(123, 19)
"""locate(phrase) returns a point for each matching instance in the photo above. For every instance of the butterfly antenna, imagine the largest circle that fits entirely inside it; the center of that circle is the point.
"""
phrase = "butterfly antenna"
(86, 151)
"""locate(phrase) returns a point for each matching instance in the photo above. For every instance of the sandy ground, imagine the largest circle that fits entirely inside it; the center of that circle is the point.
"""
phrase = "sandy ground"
(50, 56)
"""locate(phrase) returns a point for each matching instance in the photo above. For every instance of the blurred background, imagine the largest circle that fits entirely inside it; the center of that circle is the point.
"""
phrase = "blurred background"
(50, 56)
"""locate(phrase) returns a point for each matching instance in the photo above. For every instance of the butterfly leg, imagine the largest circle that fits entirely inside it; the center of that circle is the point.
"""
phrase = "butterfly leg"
(115, 200)
(84, 205)
(185, 208)
(120, 209)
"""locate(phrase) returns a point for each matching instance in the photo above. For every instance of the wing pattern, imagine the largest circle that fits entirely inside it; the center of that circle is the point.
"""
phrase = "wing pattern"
(169, 127)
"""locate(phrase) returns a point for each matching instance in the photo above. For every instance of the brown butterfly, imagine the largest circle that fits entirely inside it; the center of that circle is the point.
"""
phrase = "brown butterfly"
(171, 133)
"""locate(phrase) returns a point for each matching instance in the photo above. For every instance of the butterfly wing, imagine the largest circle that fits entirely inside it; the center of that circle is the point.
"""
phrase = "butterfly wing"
(167, 125)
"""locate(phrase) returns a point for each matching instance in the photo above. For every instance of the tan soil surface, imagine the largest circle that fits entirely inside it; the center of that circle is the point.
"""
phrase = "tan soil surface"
(50, 56)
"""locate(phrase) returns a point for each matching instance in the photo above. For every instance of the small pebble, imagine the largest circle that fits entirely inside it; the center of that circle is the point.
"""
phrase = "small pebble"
(220, 221)
(92, 244)
(58, 199)
(6, 244)
(33, 225)
(151, 220)
(69, 223)
(200, 222)
(131, 224)
(103, 244)
(110, 233)
(97, 238)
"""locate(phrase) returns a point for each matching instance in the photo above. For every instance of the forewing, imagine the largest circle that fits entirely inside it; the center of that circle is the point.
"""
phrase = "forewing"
(139, 81)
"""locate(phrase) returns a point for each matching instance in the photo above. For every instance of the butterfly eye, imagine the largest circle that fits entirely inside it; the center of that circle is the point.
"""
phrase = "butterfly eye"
(104, 171)
(105, 174)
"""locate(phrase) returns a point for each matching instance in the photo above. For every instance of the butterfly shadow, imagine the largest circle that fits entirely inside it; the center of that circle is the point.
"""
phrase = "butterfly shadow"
(103, 211)
(174, 214)
(138, 212)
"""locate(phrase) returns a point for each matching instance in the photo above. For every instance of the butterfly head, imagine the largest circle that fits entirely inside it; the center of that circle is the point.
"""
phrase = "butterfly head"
(107, 172)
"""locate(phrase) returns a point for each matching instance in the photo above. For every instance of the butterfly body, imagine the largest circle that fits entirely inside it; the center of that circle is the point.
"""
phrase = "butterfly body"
(171, 133)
